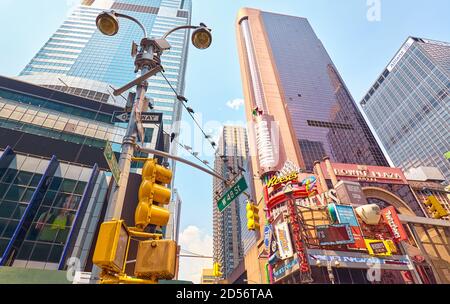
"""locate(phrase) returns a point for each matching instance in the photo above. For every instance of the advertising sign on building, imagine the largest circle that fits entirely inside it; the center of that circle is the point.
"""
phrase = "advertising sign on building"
(351, 172)
(346, 215)
(285, 268)
(318, 201)
(284, 241)
(378, 247)
(350, 193)
(390, 217)
(339, 234)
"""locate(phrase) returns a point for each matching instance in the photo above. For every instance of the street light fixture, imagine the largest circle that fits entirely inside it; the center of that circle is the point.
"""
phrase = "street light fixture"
(108, 23)
(202, 38)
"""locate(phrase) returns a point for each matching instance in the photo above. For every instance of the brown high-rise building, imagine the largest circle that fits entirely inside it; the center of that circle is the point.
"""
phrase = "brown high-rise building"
(298, 107)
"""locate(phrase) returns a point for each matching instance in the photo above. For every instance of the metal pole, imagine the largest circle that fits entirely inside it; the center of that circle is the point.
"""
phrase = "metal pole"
(117, 196)
(182, 160)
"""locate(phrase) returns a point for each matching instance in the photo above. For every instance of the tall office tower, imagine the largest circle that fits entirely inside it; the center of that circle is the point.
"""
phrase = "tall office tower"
(409, 105)
(231, 159)
(290, 81)
(298, 107)
(80, 60)
(172, 229)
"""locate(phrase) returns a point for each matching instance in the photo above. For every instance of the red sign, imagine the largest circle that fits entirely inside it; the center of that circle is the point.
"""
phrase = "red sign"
(390, 217)
(363, 173)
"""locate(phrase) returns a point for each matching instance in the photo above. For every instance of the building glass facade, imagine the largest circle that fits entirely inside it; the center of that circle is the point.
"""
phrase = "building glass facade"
(409, 106)
(80, 56)
(42, 204)
(323, 114)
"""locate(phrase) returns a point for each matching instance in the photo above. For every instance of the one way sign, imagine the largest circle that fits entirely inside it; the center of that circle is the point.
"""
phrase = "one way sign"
(146, 117)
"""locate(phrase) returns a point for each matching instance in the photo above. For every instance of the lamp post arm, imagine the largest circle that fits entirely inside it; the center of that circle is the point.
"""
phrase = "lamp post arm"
(179, 28)
(135, 21)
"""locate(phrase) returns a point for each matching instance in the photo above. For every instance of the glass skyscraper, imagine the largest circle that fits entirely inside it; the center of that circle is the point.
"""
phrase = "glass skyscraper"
(409, 105)
(320, 111)
(55, 119)
(231, 237)
(79, 59)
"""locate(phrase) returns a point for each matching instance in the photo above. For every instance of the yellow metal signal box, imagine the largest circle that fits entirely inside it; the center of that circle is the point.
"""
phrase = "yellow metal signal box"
(112, 246)
(156, 259)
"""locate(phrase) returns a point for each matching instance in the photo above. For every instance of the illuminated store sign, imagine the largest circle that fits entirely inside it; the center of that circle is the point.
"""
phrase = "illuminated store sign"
(390, 217)
(319, 201)
(286, 268)
(284, 240)
(366, 173)
(346, 215)
(360, 260)
(340, 234)
(275, 180)
(378, 247)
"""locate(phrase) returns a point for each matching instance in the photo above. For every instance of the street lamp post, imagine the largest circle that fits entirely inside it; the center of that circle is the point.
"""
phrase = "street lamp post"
(148, 62)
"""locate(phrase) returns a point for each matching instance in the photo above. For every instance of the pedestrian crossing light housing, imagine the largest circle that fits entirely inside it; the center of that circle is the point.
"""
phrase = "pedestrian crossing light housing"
(112, 246)
(252, 216)
(435, 207)
(153, 195)
(108, 23)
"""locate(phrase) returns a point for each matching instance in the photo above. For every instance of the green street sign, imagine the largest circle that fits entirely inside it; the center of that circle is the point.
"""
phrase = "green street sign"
(447, 155)
(232, 194)
(112, 161)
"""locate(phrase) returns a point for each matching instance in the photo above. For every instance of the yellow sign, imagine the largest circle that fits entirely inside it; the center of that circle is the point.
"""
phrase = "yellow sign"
(279, 180)
(378, 247)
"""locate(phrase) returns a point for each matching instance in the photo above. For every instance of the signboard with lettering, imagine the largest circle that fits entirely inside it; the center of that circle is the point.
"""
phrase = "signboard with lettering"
(284, 241)
(318, 201)
(112, 161)
(339, 234)
(275, 180)
(390, 217)
(360, 260)
(378, 247)
(350, 193)
(285, 268)
(346, 215)
(364, 173)
(232, 194)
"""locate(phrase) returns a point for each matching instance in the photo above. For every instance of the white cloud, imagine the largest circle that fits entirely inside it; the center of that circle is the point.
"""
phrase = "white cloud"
(235, 104)
(197, 241)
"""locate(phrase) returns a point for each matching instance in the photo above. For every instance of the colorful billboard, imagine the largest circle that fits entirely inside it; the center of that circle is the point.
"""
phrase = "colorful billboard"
(378, 247)
(390, 217)
(345, 214)
(284, 241)
(339, 234)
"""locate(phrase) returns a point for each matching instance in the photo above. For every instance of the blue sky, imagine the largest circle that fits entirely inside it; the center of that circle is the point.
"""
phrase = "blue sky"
(360, 49)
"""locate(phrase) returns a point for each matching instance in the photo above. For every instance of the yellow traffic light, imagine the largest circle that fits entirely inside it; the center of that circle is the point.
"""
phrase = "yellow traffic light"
(252, 216)
(152, 193)
(216, 270)
(434, 206)
(112, 246)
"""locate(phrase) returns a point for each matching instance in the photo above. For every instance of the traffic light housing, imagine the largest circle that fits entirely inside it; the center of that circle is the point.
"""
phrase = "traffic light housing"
(112, 246)
(252, 216)
(216, 270)
(435, 207)
(156, 259)
(153, 194)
